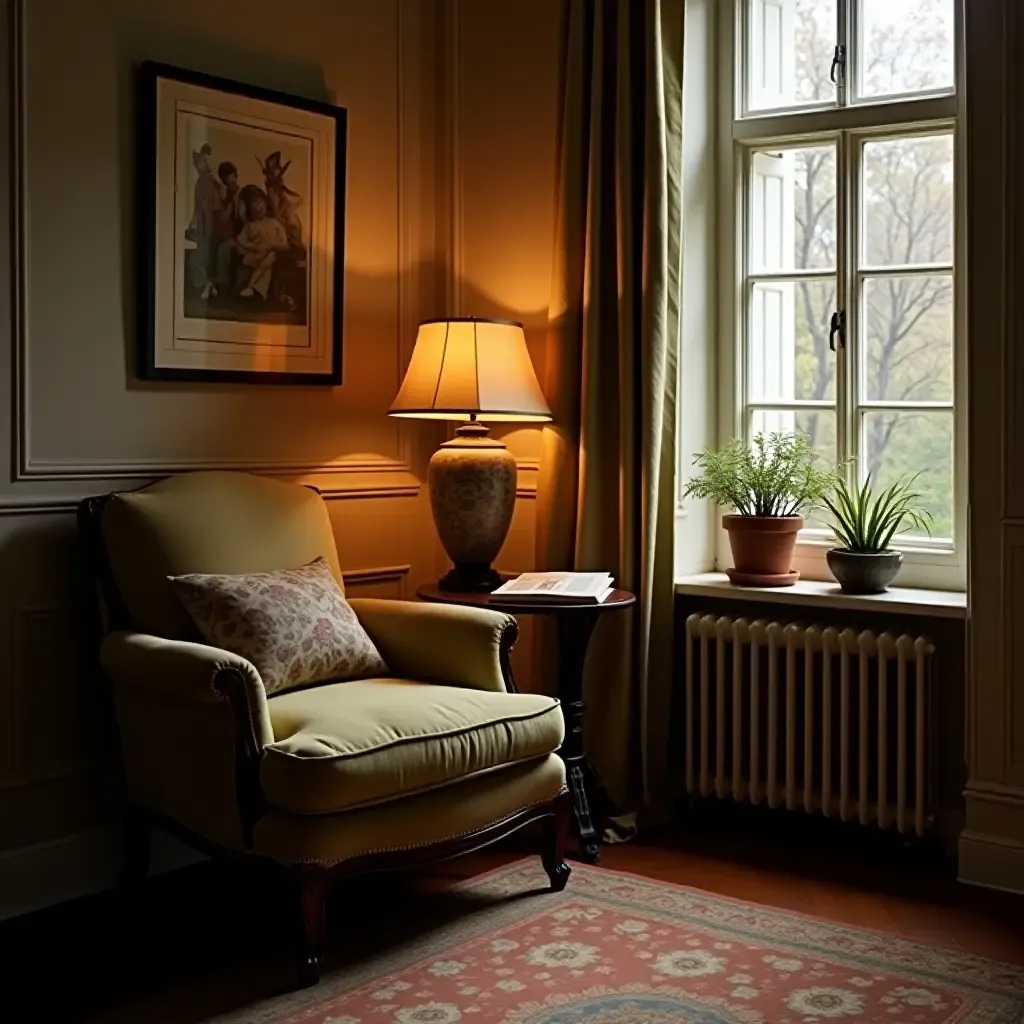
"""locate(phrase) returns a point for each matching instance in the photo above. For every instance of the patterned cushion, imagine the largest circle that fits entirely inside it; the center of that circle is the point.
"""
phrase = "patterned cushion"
(295, 625)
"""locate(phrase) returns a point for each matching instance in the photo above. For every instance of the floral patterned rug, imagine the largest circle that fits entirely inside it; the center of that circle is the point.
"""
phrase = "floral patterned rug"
(619, 949)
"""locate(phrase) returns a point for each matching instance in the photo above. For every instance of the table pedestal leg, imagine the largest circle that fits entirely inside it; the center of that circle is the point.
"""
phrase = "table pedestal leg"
(574, 630)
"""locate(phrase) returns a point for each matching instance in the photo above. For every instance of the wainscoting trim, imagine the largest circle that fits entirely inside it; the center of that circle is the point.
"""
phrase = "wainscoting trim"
(528, 474)
(382, 574)
(81, 864)
(67, 506)
(991, 862)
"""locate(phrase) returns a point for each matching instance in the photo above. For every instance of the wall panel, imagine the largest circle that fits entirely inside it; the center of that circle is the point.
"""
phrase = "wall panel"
(506, 100)
(992, 844)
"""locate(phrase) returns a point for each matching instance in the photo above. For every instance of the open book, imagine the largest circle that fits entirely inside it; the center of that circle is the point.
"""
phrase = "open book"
(558, 587)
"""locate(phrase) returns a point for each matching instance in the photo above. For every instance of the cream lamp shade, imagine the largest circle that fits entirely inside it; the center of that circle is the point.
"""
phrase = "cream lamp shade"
(471, 369)
(475, 370)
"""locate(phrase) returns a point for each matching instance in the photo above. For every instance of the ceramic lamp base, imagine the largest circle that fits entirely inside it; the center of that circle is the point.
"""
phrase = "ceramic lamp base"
(472, 481)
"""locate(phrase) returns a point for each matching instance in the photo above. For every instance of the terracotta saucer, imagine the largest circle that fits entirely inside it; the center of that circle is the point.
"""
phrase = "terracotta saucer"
(756, 579)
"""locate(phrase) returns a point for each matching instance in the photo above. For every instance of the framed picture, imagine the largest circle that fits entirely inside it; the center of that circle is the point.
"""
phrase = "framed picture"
(242, 226)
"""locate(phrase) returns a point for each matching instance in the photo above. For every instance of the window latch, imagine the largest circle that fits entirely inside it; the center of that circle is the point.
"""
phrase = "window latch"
(837, 329)
(838, 65)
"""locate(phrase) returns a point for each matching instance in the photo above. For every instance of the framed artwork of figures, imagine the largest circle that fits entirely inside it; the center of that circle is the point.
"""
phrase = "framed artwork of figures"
(242, 226)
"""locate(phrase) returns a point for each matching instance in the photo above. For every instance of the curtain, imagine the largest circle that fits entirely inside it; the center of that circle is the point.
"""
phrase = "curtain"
(606, 493)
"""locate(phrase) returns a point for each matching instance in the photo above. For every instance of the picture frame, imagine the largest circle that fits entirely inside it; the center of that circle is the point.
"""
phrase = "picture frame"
(241, 227)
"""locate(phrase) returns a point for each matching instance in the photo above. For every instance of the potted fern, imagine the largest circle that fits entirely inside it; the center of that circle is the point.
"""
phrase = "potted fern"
(767, 484)
(865, 523)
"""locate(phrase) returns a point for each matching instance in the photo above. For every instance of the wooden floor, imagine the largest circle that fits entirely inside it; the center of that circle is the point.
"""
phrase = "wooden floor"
(204, 940)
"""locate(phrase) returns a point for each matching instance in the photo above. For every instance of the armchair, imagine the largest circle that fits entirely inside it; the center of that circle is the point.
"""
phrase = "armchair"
(438, 758)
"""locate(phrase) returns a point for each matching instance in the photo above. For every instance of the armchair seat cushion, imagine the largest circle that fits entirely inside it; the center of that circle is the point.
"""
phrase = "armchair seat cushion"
(347, 745)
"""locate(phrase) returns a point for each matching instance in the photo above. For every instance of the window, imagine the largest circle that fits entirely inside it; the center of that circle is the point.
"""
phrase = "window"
(842, 138)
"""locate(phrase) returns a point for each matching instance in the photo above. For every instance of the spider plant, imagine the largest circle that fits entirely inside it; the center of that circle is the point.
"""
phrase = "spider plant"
(866, 521)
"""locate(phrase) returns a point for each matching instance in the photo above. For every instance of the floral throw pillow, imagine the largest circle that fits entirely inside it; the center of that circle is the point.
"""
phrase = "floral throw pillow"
(295, 625)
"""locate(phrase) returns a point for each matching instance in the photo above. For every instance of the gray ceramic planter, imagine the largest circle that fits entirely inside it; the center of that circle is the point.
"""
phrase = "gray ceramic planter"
(864, 573)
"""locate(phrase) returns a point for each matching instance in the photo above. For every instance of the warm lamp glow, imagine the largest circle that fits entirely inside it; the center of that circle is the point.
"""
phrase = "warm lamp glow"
(471, 369)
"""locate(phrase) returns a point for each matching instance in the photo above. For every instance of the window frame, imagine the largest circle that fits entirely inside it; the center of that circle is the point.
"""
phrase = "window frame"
(927, 563)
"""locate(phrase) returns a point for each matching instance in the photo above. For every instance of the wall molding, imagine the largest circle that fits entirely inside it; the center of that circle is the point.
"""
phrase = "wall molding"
(528, 476)
(456, 204)
(17, 85)
(411, 490)
(991, 862)
(995, 793)
(28, 468)
(41, 507)
(397, 574)
(141, 469)
(992, 844)
(80, 864)
(68, 506)
(378, 574)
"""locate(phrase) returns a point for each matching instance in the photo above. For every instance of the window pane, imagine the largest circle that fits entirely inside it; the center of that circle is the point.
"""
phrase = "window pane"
(818, 424)
(899, 444)
(909, 328)
(908, 201)
(789, 357)
(789, 50)
(793, 209)
(906, 46)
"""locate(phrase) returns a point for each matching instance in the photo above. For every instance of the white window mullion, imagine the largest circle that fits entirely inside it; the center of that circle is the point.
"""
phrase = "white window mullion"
(960, 294)
(845, 14)
(912, 270)
(781, 126)
(848, 358)
(763, 276)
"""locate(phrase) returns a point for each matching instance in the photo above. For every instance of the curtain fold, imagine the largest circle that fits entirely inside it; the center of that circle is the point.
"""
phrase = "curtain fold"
(606, 494)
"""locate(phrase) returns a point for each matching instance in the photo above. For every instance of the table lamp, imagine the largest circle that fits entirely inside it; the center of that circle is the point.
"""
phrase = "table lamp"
(475, 371)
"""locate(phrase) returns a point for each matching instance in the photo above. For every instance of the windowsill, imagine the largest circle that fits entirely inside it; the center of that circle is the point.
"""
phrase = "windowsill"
(944, 604)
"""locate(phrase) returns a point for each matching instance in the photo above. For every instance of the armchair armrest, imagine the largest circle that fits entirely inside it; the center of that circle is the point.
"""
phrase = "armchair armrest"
(193, 674)
(439, 642)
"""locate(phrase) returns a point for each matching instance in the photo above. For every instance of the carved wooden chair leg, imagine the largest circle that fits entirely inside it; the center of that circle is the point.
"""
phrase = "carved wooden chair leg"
(137, 842)
(312, 894)
(554, 839)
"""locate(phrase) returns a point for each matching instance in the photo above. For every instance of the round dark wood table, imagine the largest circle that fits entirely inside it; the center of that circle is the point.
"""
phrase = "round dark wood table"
(575, 623)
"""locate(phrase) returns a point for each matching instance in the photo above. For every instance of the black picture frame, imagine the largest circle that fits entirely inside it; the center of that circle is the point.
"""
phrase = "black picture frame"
(148, 367)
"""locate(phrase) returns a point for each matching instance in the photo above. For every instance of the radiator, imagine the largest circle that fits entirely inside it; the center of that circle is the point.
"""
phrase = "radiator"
(810, 718)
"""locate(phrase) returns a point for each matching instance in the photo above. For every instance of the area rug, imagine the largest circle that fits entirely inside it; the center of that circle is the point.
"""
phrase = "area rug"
(618, 949)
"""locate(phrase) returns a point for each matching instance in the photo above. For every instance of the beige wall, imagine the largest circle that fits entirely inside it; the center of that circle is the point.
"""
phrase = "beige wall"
(75, 421)
(505, 105)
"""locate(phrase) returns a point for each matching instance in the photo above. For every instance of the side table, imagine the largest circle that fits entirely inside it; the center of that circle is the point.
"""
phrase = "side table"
(575, 624)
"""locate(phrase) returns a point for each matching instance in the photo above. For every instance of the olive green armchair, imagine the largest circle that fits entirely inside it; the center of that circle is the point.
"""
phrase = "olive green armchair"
(440, 757)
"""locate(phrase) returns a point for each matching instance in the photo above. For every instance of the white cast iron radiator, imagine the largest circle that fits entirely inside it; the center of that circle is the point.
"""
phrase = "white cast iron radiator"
(812, 718)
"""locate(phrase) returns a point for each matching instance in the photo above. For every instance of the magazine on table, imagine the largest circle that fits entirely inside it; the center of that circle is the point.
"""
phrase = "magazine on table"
(558, 587)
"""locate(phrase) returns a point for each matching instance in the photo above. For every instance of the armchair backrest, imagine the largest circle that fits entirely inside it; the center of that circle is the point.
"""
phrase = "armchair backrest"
(199, 522)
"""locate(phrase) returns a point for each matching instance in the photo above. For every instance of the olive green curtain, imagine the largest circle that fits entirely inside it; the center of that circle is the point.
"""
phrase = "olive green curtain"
(606, 495)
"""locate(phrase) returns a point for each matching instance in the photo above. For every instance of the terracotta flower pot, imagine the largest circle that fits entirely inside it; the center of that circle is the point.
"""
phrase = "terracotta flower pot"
(762, 549)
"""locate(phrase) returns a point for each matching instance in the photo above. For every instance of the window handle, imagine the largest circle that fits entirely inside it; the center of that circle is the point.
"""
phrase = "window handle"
(837, 328)
(838, 64)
